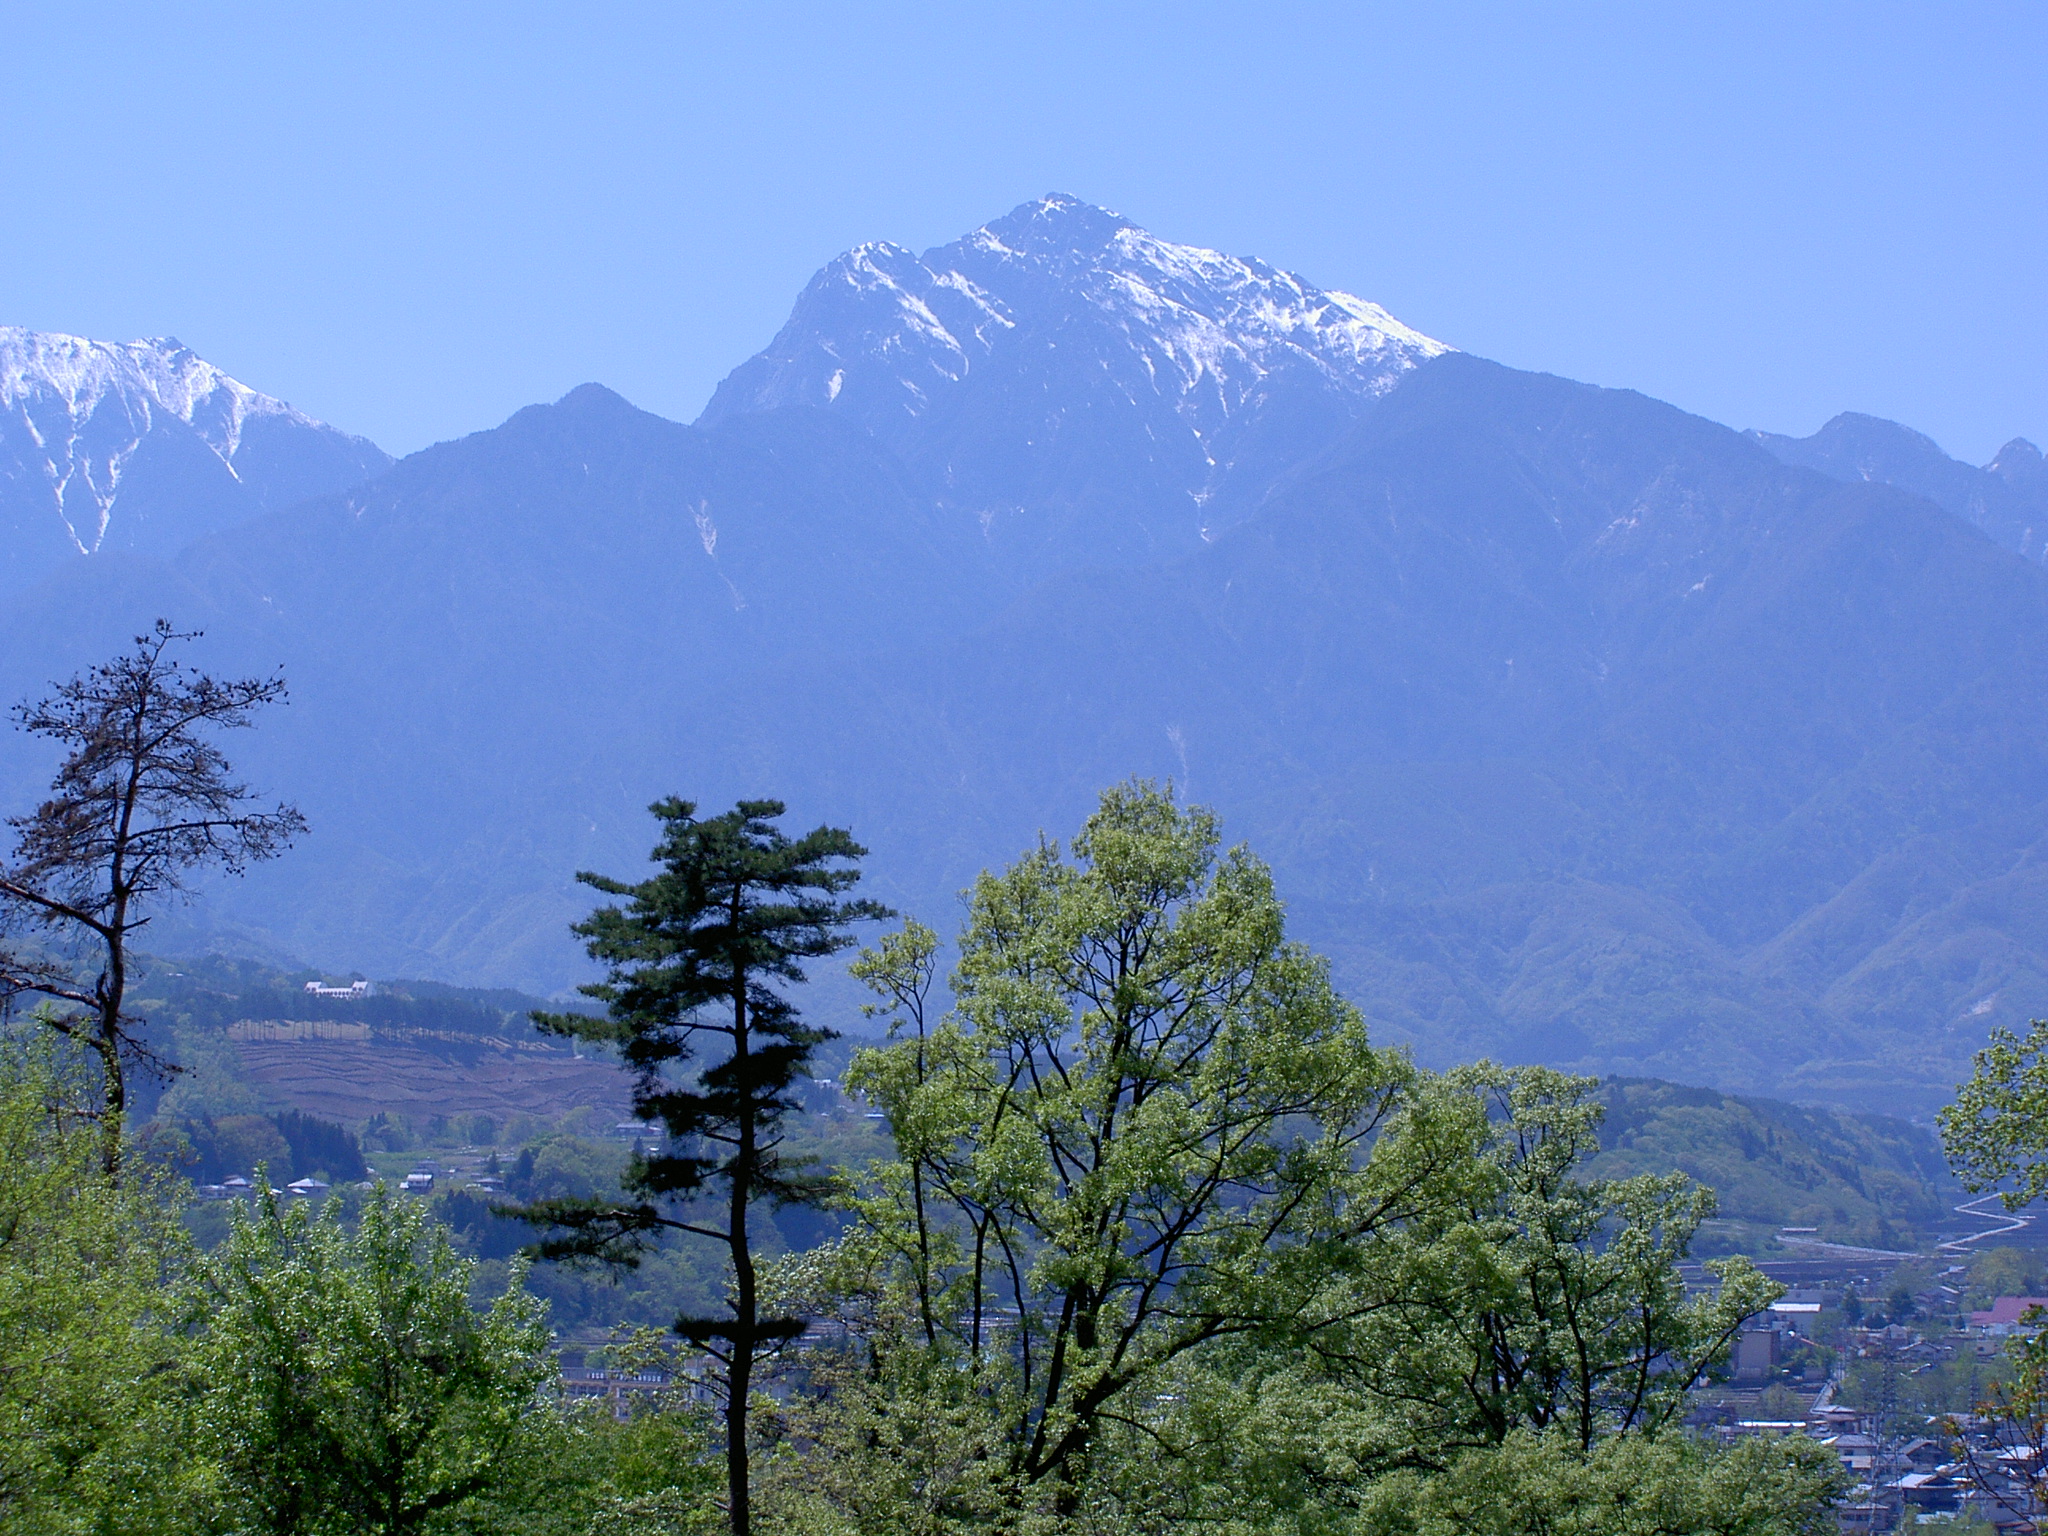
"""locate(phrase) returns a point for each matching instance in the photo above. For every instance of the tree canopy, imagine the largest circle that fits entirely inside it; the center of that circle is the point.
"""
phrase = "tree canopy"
(1161, 1241)
(143, 798)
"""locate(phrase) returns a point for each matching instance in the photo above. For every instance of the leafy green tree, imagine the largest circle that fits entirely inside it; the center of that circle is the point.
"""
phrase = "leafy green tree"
(2004, 1271)
(93, 1434)
(1534, 1484)
(885, 1433)
(699, 958)
(321, 1147)
(1168, 1246)
(1532, 1298)
(1146, 1117)
(350, 1386)
(656, 1471)
(1997, 1129)
(1522, 1300)
(142, 798)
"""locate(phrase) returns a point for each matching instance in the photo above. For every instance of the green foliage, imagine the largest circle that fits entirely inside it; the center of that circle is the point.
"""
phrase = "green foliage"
(1997, 1129)
(566, 1168)
(210, 1083)
(2014, 1409)
(1168, 1245)
(1537, 1298)
(1491, 1358)
(292, 1145)
(1147, 1112)
(320, 1148)
(383, 1132)
(1159, 1242)
(350, 1386)
(2005, 1271)
(584, 1473)
(91, 1415)
(1666, 1485)
(235, 1144)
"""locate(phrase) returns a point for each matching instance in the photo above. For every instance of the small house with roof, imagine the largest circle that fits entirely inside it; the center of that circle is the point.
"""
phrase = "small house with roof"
(2006, 1312)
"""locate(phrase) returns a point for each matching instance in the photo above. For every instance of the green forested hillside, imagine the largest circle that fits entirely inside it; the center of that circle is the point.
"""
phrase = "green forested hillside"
(1861, 1179)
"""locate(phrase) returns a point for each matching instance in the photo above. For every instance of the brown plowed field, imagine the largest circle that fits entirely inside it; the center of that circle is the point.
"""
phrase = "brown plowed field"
(346, 1081)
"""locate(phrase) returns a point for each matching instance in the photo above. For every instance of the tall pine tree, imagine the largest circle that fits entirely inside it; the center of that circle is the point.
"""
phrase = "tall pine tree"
(698, 960)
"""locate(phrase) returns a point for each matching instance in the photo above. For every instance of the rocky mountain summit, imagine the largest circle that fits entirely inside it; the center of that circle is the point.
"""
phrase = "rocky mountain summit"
(1084, 390)
(144, 446)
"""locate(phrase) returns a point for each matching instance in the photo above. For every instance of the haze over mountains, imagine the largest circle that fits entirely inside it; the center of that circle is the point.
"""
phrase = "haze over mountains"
(1577, 728)
(2007, 498)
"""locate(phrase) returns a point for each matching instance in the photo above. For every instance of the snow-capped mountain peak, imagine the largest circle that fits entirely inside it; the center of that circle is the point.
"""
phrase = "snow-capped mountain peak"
(1205, 329)
(1084, 389)
(88, 427)
(43, 372)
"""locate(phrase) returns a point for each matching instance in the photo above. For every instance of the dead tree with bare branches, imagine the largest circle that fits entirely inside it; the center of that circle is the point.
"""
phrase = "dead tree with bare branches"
(142, 800)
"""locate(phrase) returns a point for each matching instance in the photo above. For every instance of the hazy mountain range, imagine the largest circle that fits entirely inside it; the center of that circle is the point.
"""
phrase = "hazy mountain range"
(2007, 498)
(1578, 728)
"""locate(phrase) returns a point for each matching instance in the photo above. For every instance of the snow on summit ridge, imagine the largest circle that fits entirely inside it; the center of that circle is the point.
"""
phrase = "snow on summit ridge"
(1088, 393)
(143, 444)
(890, 331)
(158, 372)
(88, 405)
(1215, 314)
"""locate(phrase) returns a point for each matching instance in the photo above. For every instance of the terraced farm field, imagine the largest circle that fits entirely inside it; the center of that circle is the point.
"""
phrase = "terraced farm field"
(350, 1080)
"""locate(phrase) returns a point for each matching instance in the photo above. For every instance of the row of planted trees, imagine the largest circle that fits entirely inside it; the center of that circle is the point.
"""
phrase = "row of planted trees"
(1165, 1244)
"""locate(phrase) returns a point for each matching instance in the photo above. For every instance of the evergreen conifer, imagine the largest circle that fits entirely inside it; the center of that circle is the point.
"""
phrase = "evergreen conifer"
(699, 957)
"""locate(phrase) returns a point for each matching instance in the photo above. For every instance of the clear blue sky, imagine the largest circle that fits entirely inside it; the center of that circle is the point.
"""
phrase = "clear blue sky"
(413, 219)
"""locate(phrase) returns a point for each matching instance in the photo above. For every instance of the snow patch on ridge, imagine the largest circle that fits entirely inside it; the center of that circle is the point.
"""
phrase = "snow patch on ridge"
(881, 329)
(87, 406)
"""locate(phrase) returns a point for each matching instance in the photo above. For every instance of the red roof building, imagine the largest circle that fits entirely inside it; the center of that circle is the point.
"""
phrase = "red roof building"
(2006, 1311)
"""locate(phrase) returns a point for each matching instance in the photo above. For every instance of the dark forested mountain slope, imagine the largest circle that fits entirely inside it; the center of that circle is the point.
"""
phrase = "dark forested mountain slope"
(1578, 729)
(501, 650)
(143, 447)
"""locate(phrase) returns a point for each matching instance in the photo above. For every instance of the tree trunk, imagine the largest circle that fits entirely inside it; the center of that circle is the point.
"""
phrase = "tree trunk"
(745, 1300)
(113, 990)
(114, 1106)
(739, 1383)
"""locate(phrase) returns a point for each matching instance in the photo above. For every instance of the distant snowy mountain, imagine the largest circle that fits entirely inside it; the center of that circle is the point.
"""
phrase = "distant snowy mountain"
(1083, 388)
(144, 446)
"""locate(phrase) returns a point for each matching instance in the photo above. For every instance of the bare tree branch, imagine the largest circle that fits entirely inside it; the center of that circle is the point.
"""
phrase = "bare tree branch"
(142, 801)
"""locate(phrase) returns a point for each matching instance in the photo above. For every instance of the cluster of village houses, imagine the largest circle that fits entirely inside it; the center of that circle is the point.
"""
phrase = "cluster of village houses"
(1910, 1469)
